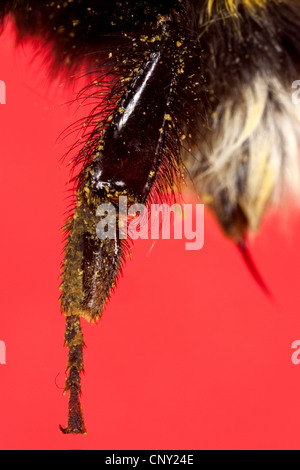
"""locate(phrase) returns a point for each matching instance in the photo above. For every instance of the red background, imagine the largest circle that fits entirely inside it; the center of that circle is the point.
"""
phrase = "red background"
(190, 354)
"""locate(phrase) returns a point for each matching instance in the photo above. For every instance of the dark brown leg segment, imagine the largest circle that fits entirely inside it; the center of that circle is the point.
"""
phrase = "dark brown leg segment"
(136, 157)
(74, 341)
